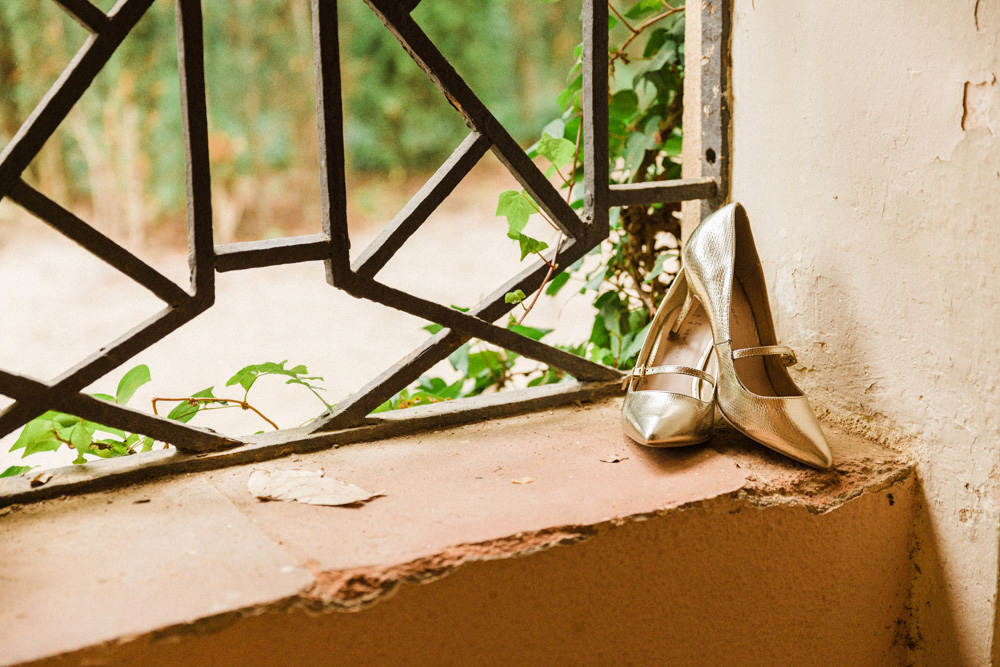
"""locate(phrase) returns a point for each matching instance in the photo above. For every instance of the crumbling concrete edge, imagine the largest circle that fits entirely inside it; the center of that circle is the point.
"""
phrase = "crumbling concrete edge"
(357, 589)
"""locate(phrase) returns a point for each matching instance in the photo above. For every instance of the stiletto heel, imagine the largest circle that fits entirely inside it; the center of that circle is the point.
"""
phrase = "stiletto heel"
(754, 392)
(661, 409)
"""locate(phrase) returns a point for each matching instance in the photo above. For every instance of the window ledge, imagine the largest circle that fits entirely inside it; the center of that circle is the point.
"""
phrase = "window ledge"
(195, 553)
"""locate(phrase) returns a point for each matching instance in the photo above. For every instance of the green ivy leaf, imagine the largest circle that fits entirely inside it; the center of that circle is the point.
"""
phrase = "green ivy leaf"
(634, 343)
(655, 41)
(658, 265)
(558, 151)
(623, 104)
(643, 8)
(529, 245)
(134, 379)
(557, 283)
(530, 332)
(248, 375)
(517, 207)
(105, 397)
(37, 430)
(80, 438)
(433, 328)
(185, 412)
(459, 360)
(41, 446)
(565, 99)
(16, 470)
(596, 279)
(517, 296)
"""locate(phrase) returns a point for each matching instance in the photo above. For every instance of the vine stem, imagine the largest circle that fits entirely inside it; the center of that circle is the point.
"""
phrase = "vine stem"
(622, 19)
(639, 30)
(555, 253)
(540, 211)
(192, 400)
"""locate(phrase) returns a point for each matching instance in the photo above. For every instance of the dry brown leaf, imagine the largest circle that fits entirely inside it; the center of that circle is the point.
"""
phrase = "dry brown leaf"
(41, 478)
(614, 458)
(305, 486)
(523, 480)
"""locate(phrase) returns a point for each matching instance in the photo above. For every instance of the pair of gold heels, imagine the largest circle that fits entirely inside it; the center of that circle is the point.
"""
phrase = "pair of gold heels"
(719, 302)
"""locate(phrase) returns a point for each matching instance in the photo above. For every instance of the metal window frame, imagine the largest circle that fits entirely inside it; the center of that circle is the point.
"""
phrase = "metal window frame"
(201, 448)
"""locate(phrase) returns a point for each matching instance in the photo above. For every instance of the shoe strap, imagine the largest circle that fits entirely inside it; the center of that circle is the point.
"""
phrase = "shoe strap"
(766, 351)
(657, 370)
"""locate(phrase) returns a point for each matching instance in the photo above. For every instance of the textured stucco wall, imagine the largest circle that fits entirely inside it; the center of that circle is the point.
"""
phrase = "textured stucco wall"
(866, 149)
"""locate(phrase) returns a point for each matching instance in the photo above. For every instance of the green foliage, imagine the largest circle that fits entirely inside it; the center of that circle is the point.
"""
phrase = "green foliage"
(299, 375)
(16, 470)
(54, 430)
(645, 111)
(261, 100)
(517, 296)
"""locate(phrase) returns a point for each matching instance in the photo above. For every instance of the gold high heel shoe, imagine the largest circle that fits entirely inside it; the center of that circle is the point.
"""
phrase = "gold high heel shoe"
(754, 392)
(662, 408)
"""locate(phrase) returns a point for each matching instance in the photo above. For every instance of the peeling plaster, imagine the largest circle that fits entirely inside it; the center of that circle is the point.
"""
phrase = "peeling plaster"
(977, 104)
(882, 168)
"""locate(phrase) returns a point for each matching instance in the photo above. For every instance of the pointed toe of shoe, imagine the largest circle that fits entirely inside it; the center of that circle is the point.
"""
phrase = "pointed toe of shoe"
(786, 425)
(665, 419)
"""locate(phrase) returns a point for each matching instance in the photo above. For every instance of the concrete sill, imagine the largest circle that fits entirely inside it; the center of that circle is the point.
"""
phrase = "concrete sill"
(193, 570)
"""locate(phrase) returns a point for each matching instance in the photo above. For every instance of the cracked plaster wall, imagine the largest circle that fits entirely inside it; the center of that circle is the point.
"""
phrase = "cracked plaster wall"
(865, 148)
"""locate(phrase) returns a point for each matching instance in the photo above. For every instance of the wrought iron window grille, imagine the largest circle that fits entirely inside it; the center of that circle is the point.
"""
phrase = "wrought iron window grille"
(201, 448)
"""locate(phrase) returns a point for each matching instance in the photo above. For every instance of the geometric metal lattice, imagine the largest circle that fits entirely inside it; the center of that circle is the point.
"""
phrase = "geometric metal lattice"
(583, 231)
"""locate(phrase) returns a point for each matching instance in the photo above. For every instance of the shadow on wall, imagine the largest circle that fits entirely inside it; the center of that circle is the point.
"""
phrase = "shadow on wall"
(934, 637)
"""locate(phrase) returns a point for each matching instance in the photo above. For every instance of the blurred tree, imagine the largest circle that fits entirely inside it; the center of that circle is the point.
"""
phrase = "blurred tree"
(121, 151)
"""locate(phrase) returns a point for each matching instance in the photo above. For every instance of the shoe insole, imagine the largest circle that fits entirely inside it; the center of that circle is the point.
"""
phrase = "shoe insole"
(691, 346)
(764, 376)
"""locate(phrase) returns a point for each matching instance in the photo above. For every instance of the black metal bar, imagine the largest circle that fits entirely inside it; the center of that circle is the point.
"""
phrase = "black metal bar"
(185, 437)
(716, 27)
(662, 192)
(408, 5)
(330, 125)
(272, 252)
(355, 408)
(86, 14)
(443, 74)
(333, 246)
(194, 112)
(420, 207)
(119, 472)
(74, 228)
(66, 92)
(101, 363)
(596, 162)
(578, 367)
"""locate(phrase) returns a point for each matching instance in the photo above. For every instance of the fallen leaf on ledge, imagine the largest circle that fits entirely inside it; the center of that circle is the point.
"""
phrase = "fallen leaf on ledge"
(522, 480)
(306, 486)
(614, 458)
(41, 478)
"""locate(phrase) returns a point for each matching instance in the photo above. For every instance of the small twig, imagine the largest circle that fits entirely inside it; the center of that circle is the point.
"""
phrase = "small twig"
(192, 400)
(555, 254)
(638, 31)
(621, 18)
(539, 211)
(547, 262)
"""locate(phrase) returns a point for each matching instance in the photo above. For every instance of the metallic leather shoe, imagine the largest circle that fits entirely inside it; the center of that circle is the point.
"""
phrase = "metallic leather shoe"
(754, 393)
(669, 399)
